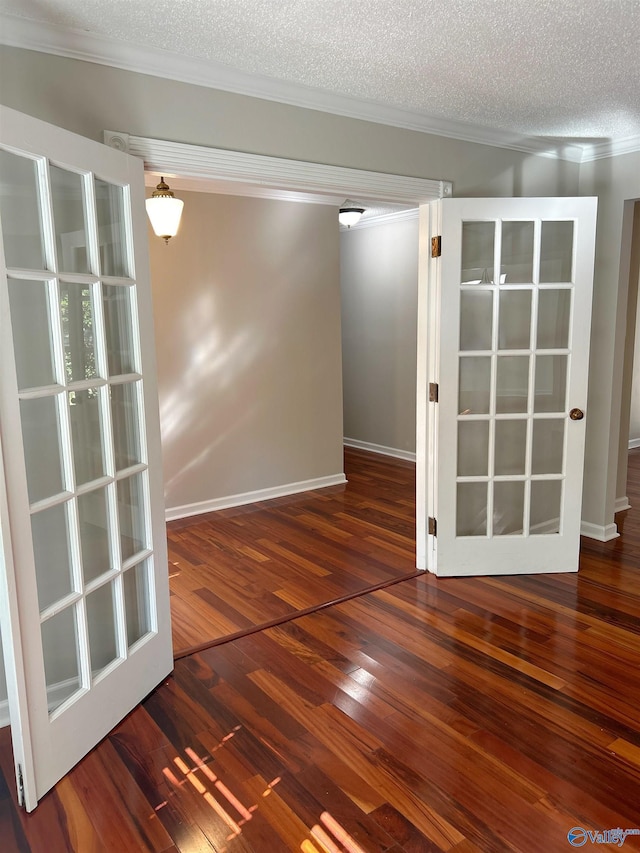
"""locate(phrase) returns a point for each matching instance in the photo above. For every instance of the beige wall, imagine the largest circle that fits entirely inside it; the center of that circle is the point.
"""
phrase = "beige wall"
(89, 98)
(247, 322)
(630, 407)
(379, 284)
(634, 402)
(614, 180)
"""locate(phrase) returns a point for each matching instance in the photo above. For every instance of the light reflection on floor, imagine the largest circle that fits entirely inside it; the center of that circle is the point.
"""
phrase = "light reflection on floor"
(327, 836)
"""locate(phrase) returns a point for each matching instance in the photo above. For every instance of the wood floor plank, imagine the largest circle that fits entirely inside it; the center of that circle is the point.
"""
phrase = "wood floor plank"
(473, 715)
(246, 566)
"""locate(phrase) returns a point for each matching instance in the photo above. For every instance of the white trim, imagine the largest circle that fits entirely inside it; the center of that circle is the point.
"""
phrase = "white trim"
(60, 691)
(598, 531)
(56, 694)
(544, 528)
(215, 504)
(407, 455)
(634, 442)
(621, 504)
(198, 161)
(90, 47)
(610, 148)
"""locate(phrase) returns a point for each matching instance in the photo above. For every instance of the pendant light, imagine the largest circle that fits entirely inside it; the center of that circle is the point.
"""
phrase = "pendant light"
(350, 213)
(164, 211)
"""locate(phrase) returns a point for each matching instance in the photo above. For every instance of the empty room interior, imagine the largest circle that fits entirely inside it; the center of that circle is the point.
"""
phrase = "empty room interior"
(318, 537)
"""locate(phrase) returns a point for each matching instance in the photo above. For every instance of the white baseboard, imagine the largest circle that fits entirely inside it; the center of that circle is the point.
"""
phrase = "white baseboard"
(407, 455)
(621, 504)
(597, 531)
(634, 442)
(56, 694)
(544, 527)
(176, 512)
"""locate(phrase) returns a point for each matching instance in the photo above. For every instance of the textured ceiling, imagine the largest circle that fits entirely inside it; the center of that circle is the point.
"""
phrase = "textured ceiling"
(560, 68)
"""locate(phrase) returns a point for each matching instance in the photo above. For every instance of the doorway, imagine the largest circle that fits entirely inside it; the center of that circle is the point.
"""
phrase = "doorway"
(247, 320)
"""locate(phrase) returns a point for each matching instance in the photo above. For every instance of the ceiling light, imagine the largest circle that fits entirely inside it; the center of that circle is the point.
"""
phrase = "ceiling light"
(164, 211)
(350, 213)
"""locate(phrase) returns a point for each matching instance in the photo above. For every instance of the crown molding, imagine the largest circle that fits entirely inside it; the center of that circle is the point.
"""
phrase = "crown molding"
(89, 47)
(610, 148)
(273, 173)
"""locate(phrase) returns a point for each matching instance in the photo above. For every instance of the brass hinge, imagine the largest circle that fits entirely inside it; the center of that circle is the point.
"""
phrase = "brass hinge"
(433, 526)
(436, 247)
(433, 392)
(20, 787)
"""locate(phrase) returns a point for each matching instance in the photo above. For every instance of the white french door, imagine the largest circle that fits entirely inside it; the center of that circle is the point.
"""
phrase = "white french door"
(509, 308)
(83, 568)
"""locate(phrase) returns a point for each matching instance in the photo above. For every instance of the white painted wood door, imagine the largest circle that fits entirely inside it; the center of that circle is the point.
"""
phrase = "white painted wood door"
(83, 574)
(509, 317)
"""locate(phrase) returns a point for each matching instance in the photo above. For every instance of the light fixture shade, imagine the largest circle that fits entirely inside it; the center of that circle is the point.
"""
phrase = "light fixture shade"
(164, 211)
(350, 215)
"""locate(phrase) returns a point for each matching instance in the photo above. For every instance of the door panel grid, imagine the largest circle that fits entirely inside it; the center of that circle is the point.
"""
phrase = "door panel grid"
(513, 369)
(510, 304)
(67, 430)
(78, 416)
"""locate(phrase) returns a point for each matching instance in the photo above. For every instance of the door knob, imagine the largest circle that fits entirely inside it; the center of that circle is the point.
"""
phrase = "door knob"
(576, 414)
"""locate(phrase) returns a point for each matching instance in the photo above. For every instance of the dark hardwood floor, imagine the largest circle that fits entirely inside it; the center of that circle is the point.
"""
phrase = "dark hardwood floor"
(256, 565)
(482, 714)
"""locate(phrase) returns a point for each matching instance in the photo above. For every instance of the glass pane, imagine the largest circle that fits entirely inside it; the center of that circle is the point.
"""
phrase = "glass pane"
(475, 385)
(554, 310)
(41, 437)
(76, 310)
(31, 333)
(477, 252)
(476, 319)
(471, 511)
(512, 383)
(514, 327)
(551, 383)
(94, 534)
(548, 446)
(510, 447)
(20, 212)
(69, 220)
(517, 252)
(112, 234)
(508, 508)
(119, 330)
(556, 252)
(545, 506)
(136, 601)
(50, 534)
(131, 512)
(126, 426)
(473, 448)
(86, 433)
(60, 649)
(102, 628)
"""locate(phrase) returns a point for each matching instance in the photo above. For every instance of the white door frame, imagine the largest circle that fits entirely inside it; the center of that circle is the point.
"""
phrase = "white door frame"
(47, 744)
(530, 549)
(198, 168)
